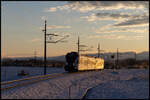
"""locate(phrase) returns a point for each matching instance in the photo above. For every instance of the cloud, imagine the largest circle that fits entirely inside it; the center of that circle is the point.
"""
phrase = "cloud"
(127, 19)
(111, 28)
(86, 6)
(107, 16)
(53, 9)
(119, 30)
(140, 20)
(107, 5)
(111, 36)
(113, 15)
(57, 27)
(121, 19)
(36, 40)
(44, 18)
(117, 37)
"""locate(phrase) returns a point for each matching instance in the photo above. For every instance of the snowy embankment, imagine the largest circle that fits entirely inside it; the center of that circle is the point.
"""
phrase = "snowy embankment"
(131, 85)
(124, 83)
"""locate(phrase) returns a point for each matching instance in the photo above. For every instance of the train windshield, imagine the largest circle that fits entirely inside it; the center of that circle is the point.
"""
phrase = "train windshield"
(71, 58)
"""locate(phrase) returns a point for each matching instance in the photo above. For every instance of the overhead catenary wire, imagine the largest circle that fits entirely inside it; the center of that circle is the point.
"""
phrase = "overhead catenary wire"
(48, 41)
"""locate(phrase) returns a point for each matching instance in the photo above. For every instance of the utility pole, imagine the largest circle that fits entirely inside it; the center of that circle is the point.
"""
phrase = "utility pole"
(135, 56)
(78, 45)
(117, 59)
(98, 50)
(45, 41)
(35, 56)
(45, 49)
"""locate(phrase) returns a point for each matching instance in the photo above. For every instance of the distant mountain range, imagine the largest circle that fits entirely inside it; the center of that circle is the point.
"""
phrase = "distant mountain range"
(107, 56)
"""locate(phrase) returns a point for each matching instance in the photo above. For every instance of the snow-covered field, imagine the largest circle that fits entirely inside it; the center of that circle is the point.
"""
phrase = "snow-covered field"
(123, 83)
(130, 85)
(10, 73)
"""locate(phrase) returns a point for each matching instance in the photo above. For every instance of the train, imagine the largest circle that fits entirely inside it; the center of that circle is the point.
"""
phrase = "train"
(76, 62)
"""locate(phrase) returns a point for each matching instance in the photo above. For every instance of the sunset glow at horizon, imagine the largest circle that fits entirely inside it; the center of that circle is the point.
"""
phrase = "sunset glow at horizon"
(113, 24)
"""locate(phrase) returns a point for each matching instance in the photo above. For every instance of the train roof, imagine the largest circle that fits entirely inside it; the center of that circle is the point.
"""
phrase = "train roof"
(91, 57)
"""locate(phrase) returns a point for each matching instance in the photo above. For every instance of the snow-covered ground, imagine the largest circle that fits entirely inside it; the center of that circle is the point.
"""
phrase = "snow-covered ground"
(123, 83)
(10, 73)
(130, 85)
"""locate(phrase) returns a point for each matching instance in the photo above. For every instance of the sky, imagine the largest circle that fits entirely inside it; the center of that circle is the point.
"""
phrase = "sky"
(112, 24)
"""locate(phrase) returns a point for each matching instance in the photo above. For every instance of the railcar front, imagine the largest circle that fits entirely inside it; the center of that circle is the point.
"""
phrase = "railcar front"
(71, 62)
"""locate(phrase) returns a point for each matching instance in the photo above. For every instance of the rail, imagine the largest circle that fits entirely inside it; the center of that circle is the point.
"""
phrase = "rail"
(21, 82)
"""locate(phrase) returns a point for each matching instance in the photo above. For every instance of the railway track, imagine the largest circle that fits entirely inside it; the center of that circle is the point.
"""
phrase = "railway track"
(30, 80)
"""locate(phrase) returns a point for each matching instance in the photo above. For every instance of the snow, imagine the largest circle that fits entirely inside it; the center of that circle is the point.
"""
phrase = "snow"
(122, 89)
(10, 73)
(123, 83)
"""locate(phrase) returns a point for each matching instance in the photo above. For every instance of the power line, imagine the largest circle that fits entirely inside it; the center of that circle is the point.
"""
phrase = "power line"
(45, 41)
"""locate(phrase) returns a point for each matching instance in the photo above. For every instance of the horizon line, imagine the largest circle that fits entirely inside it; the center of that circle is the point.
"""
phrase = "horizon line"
(64, 55)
